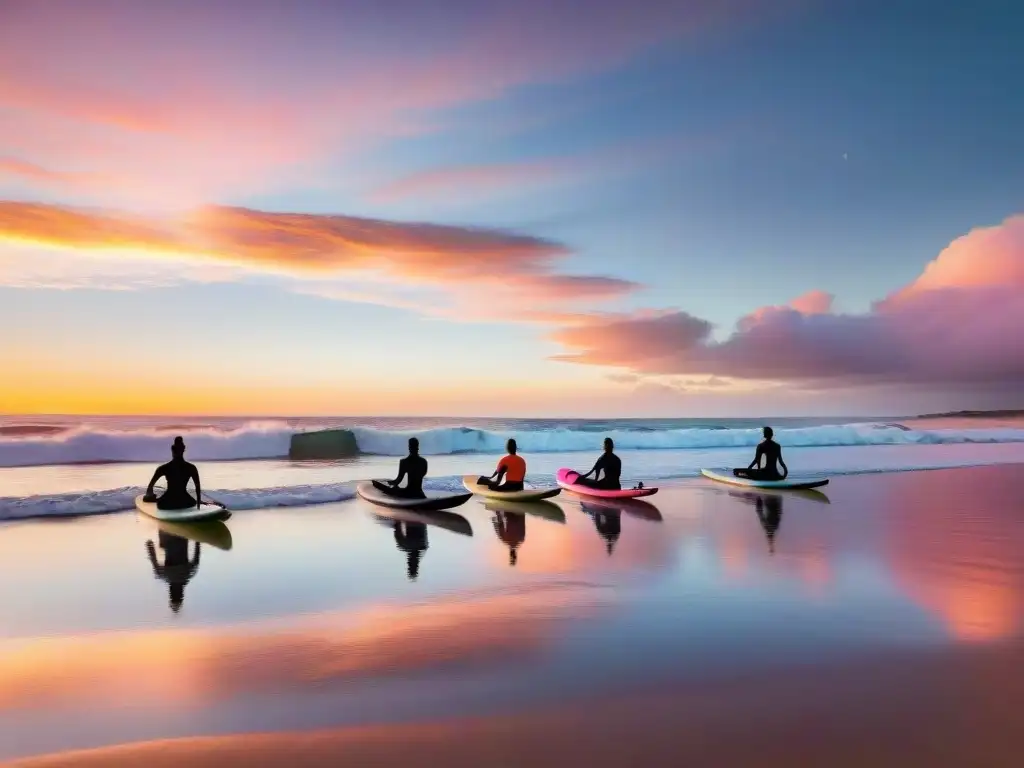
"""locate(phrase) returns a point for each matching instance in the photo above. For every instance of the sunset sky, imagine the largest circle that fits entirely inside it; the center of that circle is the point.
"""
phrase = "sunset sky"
(538, 208)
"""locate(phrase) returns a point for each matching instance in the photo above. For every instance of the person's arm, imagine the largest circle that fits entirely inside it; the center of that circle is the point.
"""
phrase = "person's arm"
(199, 490)
(757, 458)
(156, 476)
(401, 473)
(597, 467)
(785, 469)
(499, 473)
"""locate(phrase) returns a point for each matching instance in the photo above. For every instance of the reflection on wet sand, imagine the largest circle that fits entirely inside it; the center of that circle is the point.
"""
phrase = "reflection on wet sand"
(411, 538)
(511, 530)
(410, 531)
(638, 508)
(941, 710)
(117, 669)
(177, 568)
(769, 512)
(608, 523)
(955, 545)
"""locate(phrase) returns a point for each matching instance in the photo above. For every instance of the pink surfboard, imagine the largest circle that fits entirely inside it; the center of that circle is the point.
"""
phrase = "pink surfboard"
(567, 479)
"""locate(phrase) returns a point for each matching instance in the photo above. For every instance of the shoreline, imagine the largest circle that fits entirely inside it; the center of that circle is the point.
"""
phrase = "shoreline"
(243, 485)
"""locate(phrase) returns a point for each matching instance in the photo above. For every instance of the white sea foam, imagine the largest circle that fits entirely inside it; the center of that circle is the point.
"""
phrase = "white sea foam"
(121, 499)
(91, 444)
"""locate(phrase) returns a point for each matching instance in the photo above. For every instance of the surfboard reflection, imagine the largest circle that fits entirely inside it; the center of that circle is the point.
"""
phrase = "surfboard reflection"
(179, 567)
(410, 531)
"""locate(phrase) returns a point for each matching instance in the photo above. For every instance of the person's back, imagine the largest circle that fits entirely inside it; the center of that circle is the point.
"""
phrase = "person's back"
(177, 472)
(414, 467)
(612, 467)
(515, 468)
(606, 471)
(771, 451)
(510, 472)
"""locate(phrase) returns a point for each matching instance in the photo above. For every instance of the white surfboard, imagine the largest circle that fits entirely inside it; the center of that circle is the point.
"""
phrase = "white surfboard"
(202, 512)
(527, 494)
(726, 476)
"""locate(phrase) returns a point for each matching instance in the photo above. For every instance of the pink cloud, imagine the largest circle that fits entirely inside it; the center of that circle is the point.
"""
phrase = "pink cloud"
(958, 323)
(190, 102)
(813, 303)
(12, 166)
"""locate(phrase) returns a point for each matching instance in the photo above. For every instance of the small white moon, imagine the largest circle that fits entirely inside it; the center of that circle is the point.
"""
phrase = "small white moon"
(845, 156)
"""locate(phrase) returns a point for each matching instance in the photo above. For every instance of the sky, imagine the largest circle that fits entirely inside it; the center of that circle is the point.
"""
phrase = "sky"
(542, 208)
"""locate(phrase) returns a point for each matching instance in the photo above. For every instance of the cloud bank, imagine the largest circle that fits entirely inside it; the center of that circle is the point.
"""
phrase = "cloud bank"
(959, 322)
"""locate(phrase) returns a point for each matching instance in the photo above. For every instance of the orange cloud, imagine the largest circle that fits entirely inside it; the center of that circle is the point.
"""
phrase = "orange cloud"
(321, 248)
(813, 303)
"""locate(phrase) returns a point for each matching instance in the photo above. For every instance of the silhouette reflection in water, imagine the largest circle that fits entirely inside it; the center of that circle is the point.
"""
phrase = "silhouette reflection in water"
(769, 512)
(177, 569)
(608, 523)
(511, 529)
(411, 538)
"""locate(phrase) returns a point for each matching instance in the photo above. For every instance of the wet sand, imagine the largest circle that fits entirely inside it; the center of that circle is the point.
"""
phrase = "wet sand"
(948, 709)
(881, 623)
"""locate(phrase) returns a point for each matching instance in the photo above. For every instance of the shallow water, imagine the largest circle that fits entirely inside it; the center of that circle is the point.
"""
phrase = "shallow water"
(311, 618)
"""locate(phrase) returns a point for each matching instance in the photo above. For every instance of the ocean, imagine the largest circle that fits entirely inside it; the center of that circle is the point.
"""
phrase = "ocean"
(53, 466)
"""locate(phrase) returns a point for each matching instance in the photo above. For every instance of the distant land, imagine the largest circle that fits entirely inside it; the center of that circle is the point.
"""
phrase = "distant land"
(974, 415)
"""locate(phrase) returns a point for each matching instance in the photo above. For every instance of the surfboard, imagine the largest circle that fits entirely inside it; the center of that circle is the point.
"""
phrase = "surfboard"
(726, 476)
(567, 479)
(435, 500)
(527, 494)
(192, 514)
(547, 510)
(449, 521)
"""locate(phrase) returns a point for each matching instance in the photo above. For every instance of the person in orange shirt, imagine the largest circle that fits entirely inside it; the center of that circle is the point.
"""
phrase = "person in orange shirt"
(510, 474)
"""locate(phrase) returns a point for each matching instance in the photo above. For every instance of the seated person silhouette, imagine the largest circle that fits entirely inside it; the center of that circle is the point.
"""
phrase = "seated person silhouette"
(177, 472)
(510, 473)
(415, 467)
(177, 569)
(610, 465)
(772, 453)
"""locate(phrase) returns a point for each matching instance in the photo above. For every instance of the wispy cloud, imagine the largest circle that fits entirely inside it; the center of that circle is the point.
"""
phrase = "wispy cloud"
(321, 254)
(470, 179)
(12, 166)
(187, 103)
